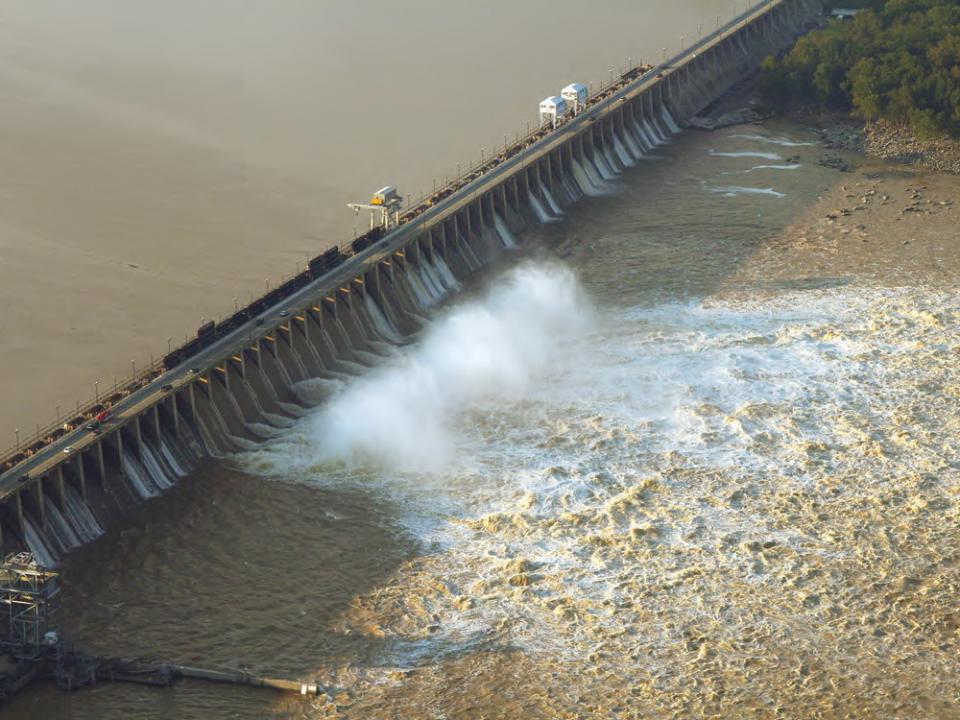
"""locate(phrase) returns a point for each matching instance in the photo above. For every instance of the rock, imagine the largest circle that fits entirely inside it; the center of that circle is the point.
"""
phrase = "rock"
(702, 123)
(836, 163)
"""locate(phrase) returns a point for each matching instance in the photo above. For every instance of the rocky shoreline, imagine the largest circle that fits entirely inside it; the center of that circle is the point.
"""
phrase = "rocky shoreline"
(886, 141)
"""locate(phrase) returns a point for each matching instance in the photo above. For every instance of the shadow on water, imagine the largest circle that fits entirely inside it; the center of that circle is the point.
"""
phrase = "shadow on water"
(226, 569)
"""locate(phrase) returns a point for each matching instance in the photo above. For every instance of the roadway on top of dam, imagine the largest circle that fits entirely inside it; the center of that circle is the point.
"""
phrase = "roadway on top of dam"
(53, 455)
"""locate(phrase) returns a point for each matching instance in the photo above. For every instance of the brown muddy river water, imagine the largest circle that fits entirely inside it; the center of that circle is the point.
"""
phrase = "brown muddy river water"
(662, 466)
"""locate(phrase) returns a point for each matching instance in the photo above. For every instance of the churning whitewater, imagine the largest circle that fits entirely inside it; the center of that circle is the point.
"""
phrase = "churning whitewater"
(644, 495)
(492, 348)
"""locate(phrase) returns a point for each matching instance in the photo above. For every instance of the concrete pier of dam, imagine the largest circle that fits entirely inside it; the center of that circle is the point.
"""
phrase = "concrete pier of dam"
(233, 385)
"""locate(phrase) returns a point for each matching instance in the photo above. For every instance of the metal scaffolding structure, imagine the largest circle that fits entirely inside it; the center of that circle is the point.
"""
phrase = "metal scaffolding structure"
(30, 594)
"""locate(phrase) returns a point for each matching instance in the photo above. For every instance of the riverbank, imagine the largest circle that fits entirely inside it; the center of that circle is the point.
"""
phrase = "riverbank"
(889, 217)
(881, 140)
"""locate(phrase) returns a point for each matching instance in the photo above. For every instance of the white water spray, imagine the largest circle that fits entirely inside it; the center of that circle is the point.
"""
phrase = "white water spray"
(401, 416)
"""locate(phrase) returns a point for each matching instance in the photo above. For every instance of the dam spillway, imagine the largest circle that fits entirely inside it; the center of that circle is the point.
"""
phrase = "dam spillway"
(233, 385)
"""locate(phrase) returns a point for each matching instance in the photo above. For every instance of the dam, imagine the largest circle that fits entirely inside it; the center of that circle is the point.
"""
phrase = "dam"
(233, 384)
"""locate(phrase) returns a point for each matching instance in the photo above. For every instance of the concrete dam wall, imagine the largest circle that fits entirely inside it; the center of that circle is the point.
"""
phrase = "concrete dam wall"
(234, 386)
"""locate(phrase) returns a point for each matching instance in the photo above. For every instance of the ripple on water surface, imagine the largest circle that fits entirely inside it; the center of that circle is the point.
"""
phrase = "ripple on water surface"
(686, 505)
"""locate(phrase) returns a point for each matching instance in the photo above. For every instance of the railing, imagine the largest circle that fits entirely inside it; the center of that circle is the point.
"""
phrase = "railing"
(84, 413)
(87, 411)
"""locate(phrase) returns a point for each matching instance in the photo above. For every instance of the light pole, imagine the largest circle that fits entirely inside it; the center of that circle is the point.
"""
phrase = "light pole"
(133, 366)
(96, 391)
(16, 433)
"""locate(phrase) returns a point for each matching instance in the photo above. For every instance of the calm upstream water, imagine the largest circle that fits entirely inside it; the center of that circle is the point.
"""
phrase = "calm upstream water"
(629, 476)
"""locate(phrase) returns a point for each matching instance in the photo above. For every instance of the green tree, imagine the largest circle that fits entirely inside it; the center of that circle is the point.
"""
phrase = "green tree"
(898, 60)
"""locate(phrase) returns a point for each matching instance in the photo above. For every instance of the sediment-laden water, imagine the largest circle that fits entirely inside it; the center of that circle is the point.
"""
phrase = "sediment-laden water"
(627, 477)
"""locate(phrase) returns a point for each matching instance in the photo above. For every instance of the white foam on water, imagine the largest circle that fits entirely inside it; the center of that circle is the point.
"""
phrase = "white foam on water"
(795, 166)
(747, 154)
(786, 142)
(398, 416)
(735, 190)
(577, 491)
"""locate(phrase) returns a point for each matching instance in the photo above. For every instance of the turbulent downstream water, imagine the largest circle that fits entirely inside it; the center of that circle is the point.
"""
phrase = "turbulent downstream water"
(625, 477)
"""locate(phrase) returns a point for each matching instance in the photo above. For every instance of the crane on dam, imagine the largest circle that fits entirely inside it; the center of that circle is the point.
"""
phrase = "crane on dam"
(386, 203)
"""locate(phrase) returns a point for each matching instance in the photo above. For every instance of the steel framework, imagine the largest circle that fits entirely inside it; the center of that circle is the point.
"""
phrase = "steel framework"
(30, 595)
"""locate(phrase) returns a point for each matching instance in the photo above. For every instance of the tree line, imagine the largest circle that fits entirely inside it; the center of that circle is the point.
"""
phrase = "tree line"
(896, 60)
